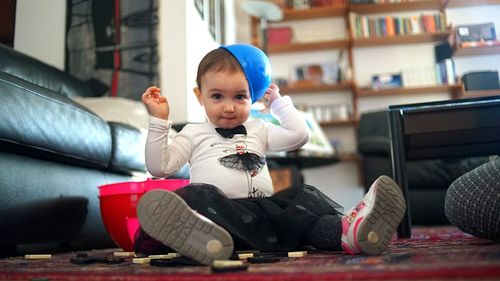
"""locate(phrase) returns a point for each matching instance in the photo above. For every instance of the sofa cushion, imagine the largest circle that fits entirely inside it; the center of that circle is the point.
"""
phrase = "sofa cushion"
(128, 148)
(37, 119)
(375, 145)
(41, 74)
(117, 109)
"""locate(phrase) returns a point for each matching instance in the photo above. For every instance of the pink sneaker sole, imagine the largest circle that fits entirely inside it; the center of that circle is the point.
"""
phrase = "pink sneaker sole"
(373, 229)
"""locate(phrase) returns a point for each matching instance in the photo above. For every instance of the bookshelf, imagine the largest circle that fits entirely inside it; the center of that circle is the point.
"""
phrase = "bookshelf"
(468, 3)
(454, 90)
(314, 12)
(397, 7)
(309, 87)
(300, 47)
(401, 39)
(342, 44)
(352, 42)
(483, 93)
(477, 51)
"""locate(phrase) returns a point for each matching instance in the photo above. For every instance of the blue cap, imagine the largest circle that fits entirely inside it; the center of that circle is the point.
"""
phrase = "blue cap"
(256, 66)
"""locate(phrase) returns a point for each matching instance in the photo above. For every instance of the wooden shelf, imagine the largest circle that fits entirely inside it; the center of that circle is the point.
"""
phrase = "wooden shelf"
(398, 7)
(467, 3)
(453, 89)
(401, 39)
(314, 12)
(477, 51)
(482, 93)
(363, 42)
(310, 87)
(347, 122)
(301, 47)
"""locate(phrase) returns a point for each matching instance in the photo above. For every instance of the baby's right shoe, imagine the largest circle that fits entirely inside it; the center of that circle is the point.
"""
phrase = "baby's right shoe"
(368, 227)
(166, 217)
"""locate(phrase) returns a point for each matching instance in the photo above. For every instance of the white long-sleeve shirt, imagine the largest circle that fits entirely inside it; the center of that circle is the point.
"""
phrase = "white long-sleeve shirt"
(202, 147)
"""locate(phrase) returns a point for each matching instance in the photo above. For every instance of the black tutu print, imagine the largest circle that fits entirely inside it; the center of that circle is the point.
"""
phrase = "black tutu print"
(249, 162)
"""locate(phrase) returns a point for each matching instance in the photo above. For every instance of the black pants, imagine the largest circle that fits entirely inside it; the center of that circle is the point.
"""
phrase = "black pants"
(273, 223)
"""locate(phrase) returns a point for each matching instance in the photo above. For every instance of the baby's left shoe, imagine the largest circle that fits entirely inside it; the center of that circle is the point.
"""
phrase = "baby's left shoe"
(368, 227)
(166, 217)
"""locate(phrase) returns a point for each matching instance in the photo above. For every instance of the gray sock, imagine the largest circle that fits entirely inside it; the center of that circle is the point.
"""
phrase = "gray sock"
(473, 201)
(324, 234)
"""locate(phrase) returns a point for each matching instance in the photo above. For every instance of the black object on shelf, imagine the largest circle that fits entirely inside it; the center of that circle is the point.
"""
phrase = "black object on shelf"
(481, 80)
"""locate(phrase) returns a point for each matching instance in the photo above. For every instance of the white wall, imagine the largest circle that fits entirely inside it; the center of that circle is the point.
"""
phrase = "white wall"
(184, 40)
(40, 30)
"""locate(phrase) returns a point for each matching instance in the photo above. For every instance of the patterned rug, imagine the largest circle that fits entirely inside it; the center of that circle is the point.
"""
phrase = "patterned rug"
(437, 253)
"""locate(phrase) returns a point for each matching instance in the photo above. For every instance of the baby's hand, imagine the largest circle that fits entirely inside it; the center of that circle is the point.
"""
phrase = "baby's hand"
(156, 104)
(272, 93)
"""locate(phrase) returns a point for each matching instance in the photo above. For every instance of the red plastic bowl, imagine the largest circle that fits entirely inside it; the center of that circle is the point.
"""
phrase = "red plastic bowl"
(118, 203)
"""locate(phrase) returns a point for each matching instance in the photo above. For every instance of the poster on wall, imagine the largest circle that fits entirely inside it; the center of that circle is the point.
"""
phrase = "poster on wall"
(113, 45)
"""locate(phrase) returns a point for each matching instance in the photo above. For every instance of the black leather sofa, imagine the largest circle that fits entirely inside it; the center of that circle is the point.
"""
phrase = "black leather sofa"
(428, 180)
(54, 153)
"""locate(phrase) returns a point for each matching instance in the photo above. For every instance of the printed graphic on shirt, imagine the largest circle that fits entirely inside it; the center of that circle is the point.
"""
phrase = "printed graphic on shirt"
(242, 160)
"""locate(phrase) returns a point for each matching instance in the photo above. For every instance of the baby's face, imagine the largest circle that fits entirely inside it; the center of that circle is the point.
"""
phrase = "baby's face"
(225, 97)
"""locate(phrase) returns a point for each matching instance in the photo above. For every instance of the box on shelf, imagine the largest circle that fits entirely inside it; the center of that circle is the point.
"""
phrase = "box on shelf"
(480, 80)
(419, 76)
(328, 112)
(475, 32)
(387, 81)
(279, 35)
(317, 73)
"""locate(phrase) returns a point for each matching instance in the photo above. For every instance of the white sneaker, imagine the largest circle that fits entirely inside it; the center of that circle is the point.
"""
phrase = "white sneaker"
(368, 227)
(166, 217)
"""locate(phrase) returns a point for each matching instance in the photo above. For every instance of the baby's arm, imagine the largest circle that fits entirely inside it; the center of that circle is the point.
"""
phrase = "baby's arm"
(162, 159)
(293, 132)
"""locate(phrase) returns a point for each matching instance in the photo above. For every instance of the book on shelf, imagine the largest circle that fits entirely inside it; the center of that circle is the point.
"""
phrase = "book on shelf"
(421, 76)
(279, 35)
(445, 72)
(363, 26)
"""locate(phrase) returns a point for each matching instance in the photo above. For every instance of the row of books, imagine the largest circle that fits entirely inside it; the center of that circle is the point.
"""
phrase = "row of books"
(306, 4)
(441, 73)
(445, 72)
(327, 112)
(364, 26)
